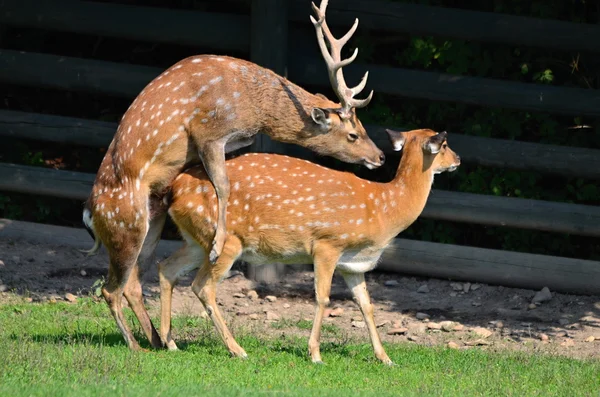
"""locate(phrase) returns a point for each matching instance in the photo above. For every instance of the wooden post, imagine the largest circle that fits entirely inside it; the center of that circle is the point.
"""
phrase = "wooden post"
(268, 48)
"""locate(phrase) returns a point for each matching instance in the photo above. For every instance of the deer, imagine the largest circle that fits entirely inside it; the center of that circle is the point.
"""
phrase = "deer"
(195, 112)
(292, 211)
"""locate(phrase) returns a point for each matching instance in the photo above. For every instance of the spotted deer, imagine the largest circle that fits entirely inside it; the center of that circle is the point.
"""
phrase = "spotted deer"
(292, 211)
(194, 112)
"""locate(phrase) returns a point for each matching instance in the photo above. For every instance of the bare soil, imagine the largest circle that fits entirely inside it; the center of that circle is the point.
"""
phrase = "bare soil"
(566, 324)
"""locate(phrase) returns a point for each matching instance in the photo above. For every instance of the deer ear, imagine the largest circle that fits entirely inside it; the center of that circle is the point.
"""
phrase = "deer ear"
(321, 117)
(397, 138)
(434, 144)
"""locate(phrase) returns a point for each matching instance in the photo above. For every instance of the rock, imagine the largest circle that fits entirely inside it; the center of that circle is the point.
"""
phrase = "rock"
(28, 300)
(272, 316)
(391, 283)
(447, 326)
(253, 316)
(422, 316)
(397, 331)
(432, 325)
(590, 338)
(532, 306)
(337, 312)
(483, 332)
(542, 296)
(563, 321)
(1, 263)
(476, 304)
(52, 300)
(357, 318)
(568, 343)
(458, 327)
(398, 324)
(3, 288)
(412, 338)
(456, 286)
(252, 295)
(286, 306)
(270, 298)
(544, 337)
(70, 297)
(83, 273)
(384, 323)
(453, 294)
(497, 323)
(358, 324)
(466, 287)
(453, 345)
(416, 328)
(478, 342)
(239, 295)
(423, 289)
(475, 287)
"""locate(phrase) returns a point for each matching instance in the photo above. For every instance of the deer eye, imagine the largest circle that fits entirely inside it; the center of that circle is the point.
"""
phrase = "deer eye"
(445, 145)
(352, 137)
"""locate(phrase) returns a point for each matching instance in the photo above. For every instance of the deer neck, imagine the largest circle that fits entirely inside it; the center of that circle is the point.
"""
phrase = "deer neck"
(410, 189)
(286, 112)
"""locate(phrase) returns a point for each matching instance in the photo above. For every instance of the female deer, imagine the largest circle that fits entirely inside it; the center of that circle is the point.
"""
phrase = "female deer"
(332, 218)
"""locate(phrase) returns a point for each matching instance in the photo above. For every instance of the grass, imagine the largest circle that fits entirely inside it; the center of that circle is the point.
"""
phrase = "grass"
(75, 349)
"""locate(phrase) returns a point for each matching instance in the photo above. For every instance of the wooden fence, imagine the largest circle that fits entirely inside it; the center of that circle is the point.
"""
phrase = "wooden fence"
(264, 36)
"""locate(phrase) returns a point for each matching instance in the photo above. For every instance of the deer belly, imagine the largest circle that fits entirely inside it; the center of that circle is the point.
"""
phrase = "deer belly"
(258, 258)
(355, 262)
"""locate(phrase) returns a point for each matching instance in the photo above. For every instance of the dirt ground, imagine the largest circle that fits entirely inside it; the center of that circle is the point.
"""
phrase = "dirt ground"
(418, 310)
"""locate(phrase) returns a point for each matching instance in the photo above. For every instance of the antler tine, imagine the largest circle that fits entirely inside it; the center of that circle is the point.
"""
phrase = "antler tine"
(360, 86)
(342, 41)
(361, 103)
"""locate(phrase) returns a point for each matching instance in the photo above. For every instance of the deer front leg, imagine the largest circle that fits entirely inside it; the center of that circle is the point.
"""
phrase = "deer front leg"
(205, 287)
(213, 158)
(169, 270)
(325, 260)
(356, 282)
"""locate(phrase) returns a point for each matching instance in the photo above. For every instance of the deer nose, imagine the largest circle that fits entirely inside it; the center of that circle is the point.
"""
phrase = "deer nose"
(458, 158)
(382, 158)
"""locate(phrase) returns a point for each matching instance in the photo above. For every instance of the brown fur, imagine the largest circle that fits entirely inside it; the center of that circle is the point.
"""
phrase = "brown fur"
(187, 113)
(288, 210)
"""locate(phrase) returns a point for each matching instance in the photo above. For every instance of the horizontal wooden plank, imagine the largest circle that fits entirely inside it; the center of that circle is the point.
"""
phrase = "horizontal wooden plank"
(76, 74)
(567, 161)
(514, 212)
(453, 88)
(45, 181)
(51, 128)
(231, 31)
(478, 26)
(511, 269)
(452, 206)
(34, 69)
(73, 237)
(418, 258)
(551, 159)
(222, 32)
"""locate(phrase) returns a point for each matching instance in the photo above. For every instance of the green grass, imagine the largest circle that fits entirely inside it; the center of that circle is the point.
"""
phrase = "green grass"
(61, 349)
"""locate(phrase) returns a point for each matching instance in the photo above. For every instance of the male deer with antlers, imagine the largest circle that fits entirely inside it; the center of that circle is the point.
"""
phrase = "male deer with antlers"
(332, 218)
(196, 111)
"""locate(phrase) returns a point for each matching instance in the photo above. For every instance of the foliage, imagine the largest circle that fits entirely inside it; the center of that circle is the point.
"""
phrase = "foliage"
(74, 349)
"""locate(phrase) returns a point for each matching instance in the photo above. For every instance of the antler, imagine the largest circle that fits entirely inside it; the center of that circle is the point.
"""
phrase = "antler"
(335, 63)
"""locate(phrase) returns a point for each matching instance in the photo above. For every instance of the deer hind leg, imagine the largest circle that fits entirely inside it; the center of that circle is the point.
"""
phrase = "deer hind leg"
(133, 288)
(182, 261)
(205, 287)
(356, 282)
(325, 260)
(213, 158)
